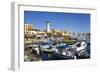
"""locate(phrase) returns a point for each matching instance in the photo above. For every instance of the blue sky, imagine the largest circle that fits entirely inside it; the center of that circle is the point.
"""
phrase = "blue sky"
(73, 22)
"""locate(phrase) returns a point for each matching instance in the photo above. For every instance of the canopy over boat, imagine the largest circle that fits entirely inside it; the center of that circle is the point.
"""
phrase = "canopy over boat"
(62, 47)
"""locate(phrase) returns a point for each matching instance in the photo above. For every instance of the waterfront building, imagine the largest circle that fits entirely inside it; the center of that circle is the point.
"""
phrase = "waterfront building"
(28, 27)
(30, 31)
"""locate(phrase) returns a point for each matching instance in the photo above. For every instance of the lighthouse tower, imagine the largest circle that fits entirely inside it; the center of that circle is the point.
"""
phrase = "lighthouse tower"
(48, 26)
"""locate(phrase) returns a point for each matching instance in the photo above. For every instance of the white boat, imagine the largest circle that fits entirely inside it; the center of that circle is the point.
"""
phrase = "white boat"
(37, 50)
(67, 53)
(62, 52)
(81, 46)
(46, 47)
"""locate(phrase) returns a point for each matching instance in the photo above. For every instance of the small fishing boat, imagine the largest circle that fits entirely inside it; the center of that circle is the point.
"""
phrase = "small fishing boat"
(63, 52)
(46, 48)
(69, 51)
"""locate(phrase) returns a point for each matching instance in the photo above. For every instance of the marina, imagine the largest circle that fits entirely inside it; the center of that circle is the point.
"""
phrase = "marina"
(56, 36)
(42, 51)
